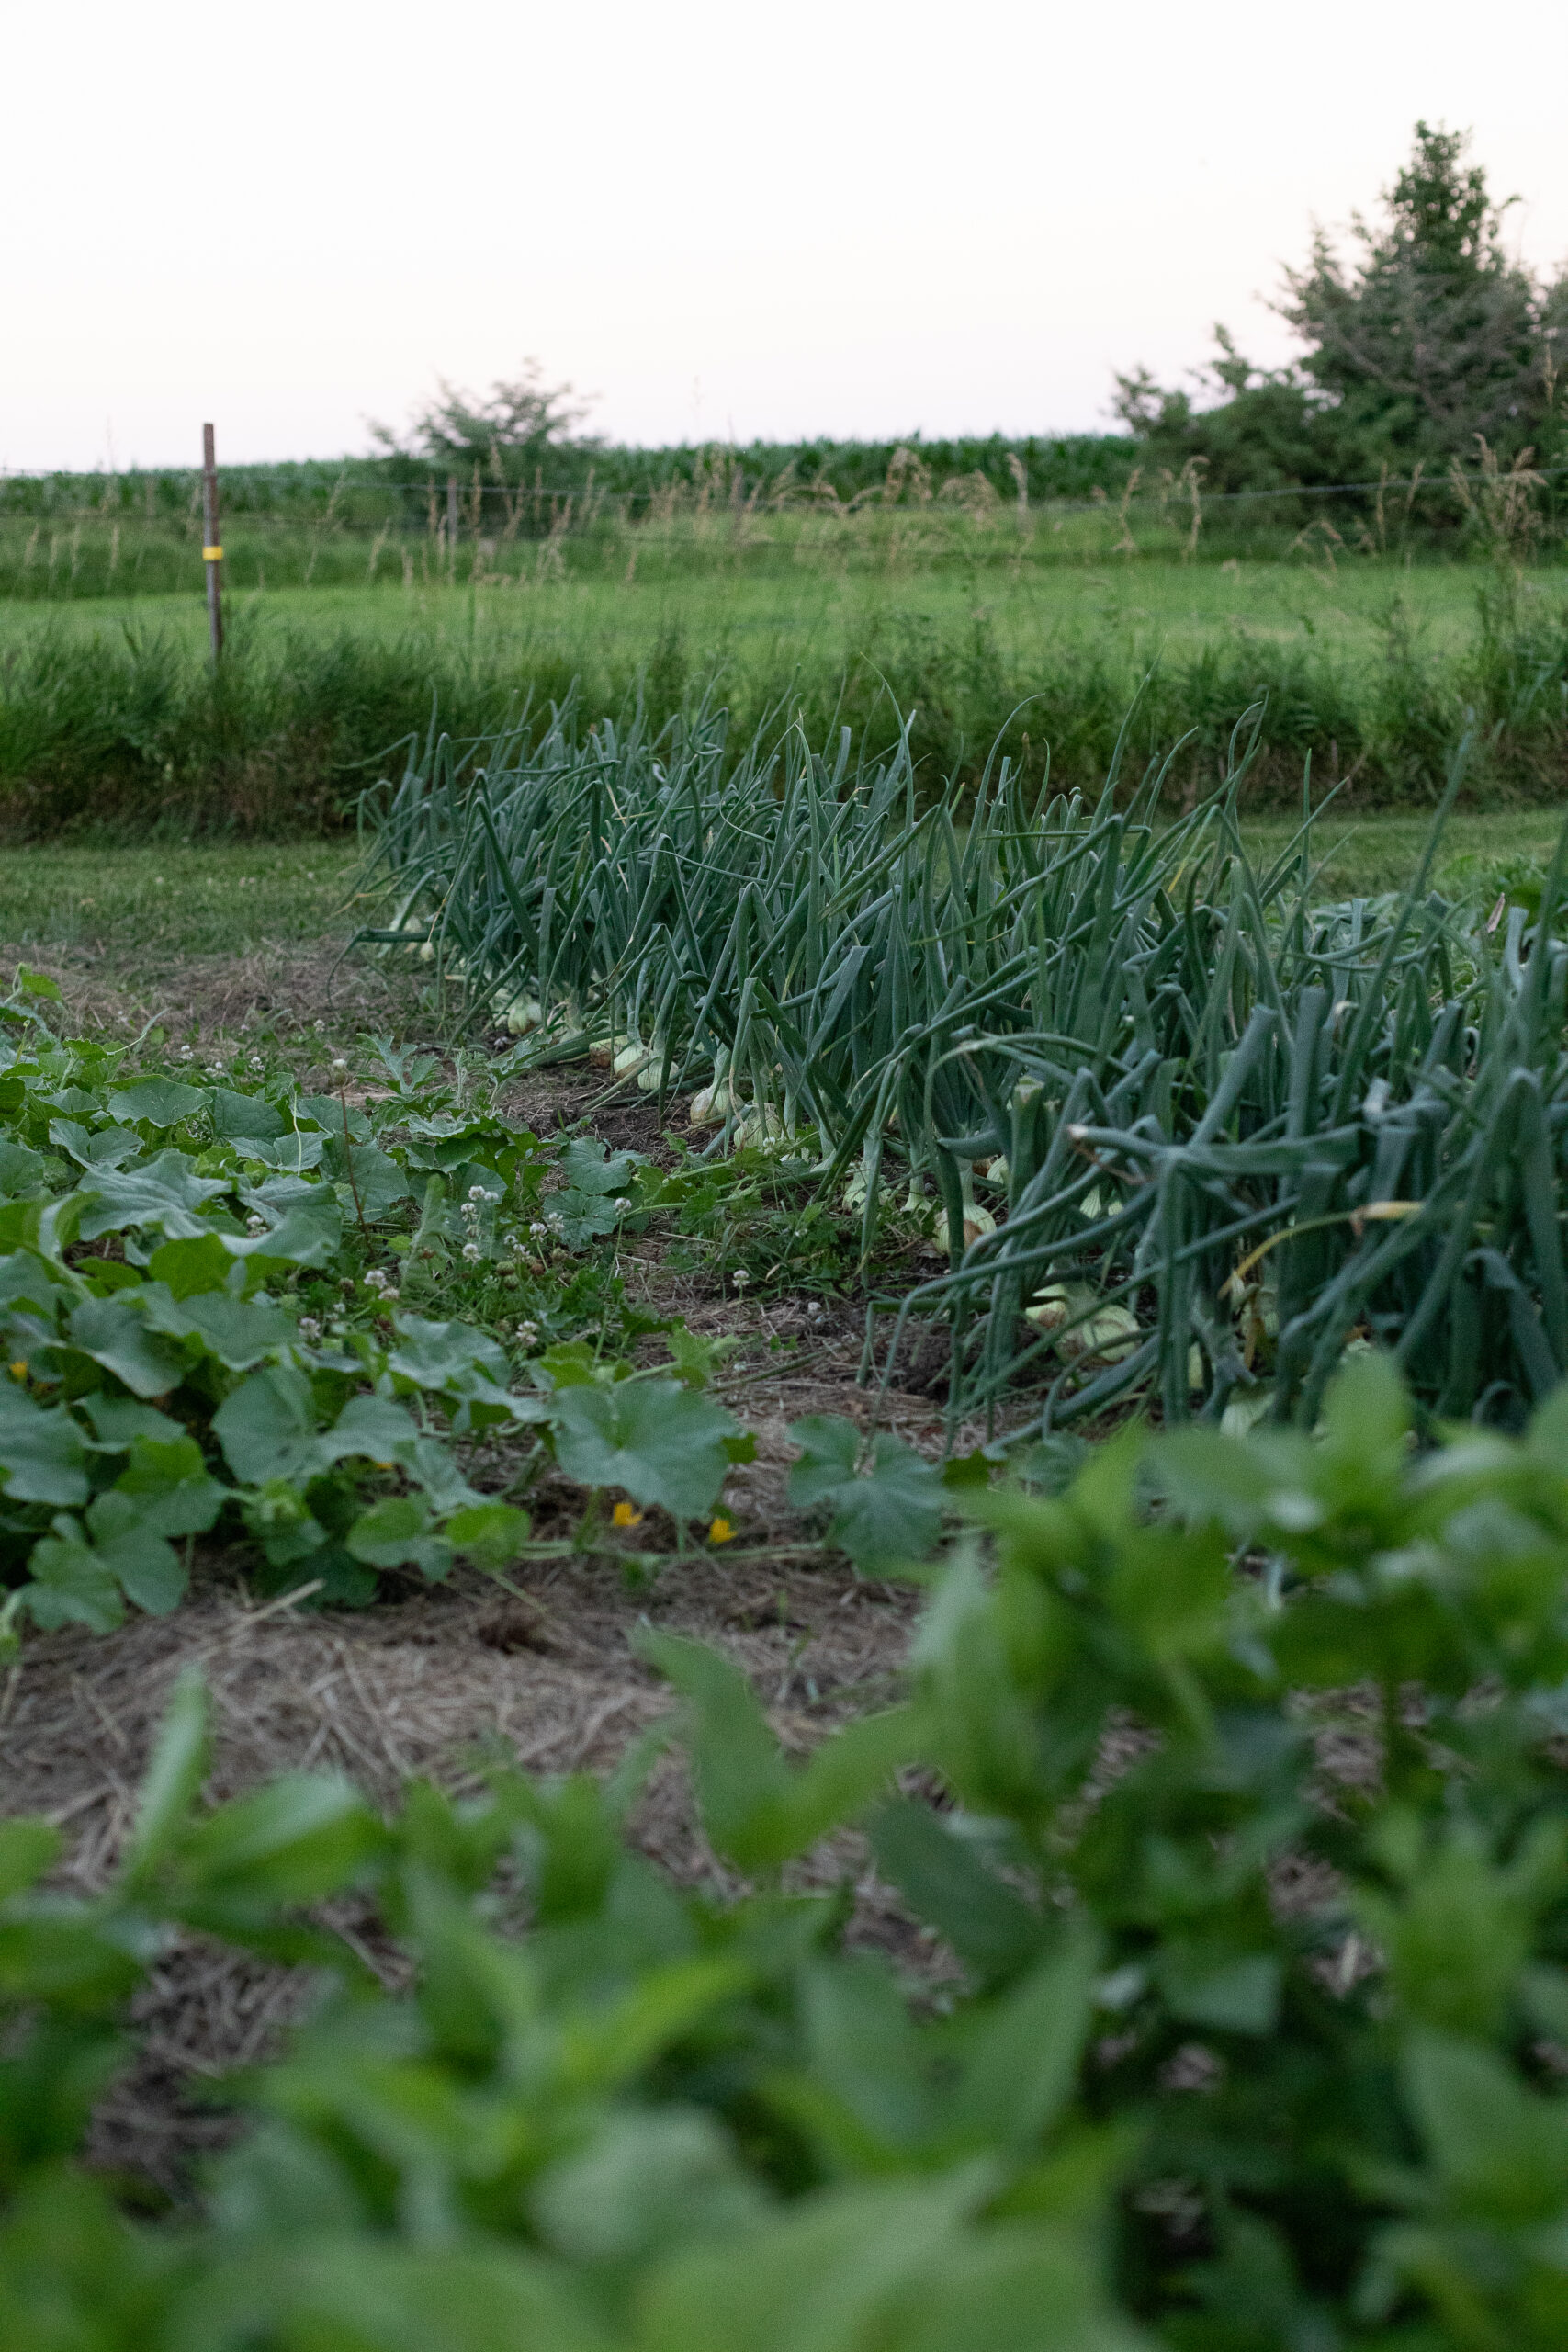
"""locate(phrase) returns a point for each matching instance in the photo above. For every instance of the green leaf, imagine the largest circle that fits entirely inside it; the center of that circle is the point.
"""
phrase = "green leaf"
(42, 1458)
(396, 1532)
(1021, 2059)
(37, 984)
(828, 2275)
(25, 1281)
(267, 1427)
(289, 1153)
(964, 1472)
(238, 1118)
(308, 1233)
(169, 1480)
(114, 1333)
(374, 1429)
(754, 1807)
(109, 1147)
(27, 1849)
(890, 1514)
(377, 1182)
(644, 2184)
(174, 1776)
(1501, 2149)
(591, 1204)
(490, 1534)
(239, 1333)
(572, 1363)
(186, 1268)
(590, 1166)
(1229, 1991)
(742, 1781)
(452, 1358)
(118, 1422)
(662, 1442)
(301, 1838)
(72, 1585)
(990, 1927)
(161, 1102)
(20, 1169)
(331, 1114)
(696, 1358)
(165, 1195)
(371, 2294)
(126, 1538)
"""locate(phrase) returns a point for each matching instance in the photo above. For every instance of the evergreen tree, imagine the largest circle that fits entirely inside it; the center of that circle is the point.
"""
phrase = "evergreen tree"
(1432, 335)
(1426, 336)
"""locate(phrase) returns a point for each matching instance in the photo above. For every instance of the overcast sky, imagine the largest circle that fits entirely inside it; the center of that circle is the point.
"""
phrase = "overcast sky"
(840, 217)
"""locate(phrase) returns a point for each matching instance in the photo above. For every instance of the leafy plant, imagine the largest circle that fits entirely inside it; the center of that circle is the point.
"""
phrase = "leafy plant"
(178, 1355)
(1183, 1132)
(1250, 1857)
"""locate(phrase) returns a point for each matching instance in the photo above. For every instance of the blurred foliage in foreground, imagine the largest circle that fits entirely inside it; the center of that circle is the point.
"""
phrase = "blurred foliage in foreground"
(1251, 1859)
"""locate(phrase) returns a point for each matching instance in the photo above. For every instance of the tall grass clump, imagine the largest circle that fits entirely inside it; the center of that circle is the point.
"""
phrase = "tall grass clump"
(127, 732)
(1185, 1133)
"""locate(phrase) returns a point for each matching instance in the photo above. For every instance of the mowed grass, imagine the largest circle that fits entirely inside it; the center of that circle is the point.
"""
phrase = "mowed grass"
(807, 613)
(147, 908)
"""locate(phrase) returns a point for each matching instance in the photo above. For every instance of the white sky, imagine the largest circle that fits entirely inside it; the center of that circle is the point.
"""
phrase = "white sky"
(841, 216)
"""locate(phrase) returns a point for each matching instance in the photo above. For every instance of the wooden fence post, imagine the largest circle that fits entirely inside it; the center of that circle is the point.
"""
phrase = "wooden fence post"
(212, 553)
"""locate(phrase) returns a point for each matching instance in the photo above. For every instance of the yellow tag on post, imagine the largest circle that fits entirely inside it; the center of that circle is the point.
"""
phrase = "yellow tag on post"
(212, 555)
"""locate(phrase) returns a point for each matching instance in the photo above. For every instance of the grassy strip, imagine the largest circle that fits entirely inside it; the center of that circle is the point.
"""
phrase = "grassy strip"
(146, 908)
(1375, 676)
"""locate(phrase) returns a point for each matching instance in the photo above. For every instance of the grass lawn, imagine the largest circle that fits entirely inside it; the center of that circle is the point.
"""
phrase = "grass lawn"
(142, 909)
(808, 610)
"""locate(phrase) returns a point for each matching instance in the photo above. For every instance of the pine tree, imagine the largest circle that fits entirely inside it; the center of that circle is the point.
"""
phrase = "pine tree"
(1432, 335)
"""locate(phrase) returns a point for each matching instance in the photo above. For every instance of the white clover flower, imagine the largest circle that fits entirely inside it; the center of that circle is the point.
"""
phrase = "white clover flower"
(319, 1027)
(528, 1334)
(215, 1070)
(477, 1192)
(376, 1278)
(256, 1062)
(472, 1252)
(555, 1223)
(310, 1328)
(740, 1277)
(339, 1062)
(536, 1231)
(187, 1053)
(254, 1223)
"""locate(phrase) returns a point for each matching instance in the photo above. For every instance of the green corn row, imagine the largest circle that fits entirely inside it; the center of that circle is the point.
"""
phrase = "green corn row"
(1260, 1127)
